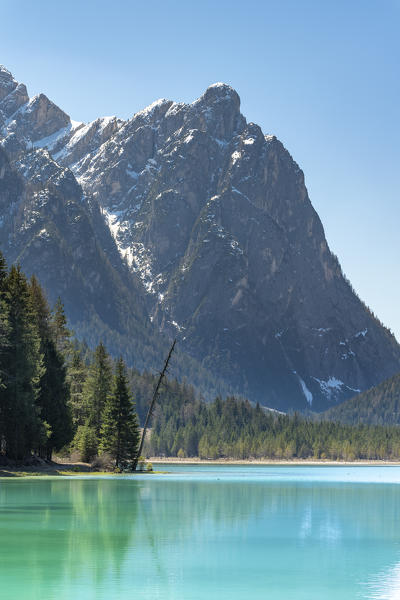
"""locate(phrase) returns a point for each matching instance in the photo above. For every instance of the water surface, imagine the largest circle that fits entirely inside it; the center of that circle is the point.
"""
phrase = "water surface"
(204, 532)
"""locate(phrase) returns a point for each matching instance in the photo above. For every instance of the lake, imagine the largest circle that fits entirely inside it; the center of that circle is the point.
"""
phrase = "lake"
(203, 532)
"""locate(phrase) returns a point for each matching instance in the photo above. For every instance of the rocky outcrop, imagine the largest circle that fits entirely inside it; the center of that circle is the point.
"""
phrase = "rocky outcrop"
(212, 221)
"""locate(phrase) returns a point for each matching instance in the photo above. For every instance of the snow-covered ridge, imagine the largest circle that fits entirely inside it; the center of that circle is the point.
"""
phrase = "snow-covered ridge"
(149, 110)
(51, 141)
(26, 118)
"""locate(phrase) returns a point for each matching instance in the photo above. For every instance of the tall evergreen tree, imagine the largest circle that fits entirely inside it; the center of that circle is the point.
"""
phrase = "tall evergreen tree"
(97, 387)
(76, 379)
(61, 333)
(120, 427)
(54, 391)
(23, 364)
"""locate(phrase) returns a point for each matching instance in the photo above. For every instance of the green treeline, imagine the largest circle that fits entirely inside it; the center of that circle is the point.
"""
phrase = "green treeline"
(50, 398)
(235, 429)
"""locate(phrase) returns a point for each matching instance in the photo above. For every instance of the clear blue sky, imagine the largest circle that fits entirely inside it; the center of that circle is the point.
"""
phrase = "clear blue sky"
(322, 75)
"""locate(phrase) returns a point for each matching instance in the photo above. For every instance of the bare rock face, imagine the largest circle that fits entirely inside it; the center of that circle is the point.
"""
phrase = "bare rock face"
(212, 221)
(54, 231)
(38, 119)
(30, 120)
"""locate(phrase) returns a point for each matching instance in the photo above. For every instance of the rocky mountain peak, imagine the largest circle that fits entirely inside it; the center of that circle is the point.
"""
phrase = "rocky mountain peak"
(23, 120)
(219, 108)
(220, 92)
(7, 82)
(154, 112)
(13, 95)
(41, 117)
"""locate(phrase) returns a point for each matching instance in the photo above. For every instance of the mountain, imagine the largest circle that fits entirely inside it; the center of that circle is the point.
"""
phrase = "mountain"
(379, 405)
(209, 222)
(51, 229)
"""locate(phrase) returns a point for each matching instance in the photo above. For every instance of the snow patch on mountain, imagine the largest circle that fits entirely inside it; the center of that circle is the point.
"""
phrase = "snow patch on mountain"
(112, 220)
(236, 156)
(50, 141)
(307, 394)
(142, 265)
(362, 333)
(333, 386)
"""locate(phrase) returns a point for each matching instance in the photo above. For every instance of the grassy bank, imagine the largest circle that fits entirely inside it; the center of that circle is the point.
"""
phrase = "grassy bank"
(58, 468)
(51, 469)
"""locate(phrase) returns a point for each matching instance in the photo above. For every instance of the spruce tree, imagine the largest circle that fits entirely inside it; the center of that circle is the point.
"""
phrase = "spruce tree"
(120, 427)
(97, 388)
(86, 443)
(61, 333)
(23, 364)
(76, 379)
(54, 391)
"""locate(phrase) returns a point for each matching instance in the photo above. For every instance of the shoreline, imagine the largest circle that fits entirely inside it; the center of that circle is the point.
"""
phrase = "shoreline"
(53, 469)
(271, 462)
(83, 469)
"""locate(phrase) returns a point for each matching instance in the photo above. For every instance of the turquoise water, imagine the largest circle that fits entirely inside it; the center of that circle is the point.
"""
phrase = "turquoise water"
(212, 532)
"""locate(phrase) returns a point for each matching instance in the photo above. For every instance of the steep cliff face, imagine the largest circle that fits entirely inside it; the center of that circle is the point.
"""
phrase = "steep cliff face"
(51, 229)
(212, 222)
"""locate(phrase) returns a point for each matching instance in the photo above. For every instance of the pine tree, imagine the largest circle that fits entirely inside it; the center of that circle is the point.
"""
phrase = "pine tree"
(120, 427)
(23, 364)
(54, 391)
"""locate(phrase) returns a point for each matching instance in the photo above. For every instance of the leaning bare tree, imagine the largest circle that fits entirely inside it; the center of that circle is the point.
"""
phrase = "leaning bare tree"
(152, 403)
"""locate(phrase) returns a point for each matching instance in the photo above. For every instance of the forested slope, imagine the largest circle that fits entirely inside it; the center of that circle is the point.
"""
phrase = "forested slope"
(379, 405)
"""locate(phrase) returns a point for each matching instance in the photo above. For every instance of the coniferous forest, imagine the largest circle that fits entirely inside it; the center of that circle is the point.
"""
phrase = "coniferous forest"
(58, 396)
(235, 429)
(50, 399)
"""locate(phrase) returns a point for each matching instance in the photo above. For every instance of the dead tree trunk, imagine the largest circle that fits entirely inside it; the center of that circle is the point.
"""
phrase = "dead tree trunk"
(151, 407)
